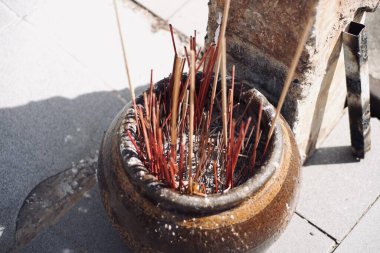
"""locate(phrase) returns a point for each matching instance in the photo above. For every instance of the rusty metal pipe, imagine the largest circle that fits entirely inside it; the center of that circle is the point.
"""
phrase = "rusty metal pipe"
(358, 94)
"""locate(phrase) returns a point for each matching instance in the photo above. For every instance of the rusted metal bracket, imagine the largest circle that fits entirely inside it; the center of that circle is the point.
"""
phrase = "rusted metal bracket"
(358, 94)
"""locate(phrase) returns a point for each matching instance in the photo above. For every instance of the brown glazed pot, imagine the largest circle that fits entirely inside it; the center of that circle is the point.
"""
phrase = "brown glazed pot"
(152, 218)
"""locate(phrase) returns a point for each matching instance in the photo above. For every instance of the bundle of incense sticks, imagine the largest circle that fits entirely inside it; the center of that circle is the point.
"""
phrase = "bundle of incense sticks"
(179, 137)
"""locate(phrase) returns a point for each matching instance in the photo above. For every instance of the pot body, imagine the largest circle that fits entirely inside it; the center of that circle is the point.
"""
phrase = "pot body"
(251, 226)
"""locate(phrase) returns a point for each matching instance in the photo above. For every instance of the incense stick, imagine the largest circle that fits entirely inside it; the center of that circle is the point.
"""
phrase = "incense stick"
(224, 91)
(289, 78)
(257, 137)
(123, 47)
(219, 52)
(173, 41)
(174, 111)
(191, 118)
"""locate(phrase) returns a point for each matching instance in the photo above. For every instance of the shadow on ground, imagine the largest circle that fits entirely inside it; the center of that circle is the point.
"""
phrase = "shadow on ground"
(43, 138)
(331, 155)
(85, 228)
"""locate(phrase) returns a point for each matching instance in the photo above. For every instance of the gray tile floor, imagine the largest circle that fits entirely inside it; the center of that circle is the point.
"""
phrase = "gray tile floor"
(61, 83)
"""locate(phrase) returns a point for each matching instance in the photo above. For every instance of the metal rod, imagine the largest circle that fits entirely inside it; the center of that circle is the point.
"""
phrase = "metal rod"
(357, 79)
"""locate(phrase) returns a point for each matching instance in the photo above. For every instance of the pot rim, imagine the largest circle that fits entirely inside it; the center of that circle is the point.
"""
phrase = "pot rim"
(169, 199)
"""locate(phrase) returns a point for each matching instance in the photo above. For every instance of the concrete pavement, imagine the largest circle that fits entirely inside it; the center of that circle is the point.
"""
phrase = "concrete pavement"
(62, 81)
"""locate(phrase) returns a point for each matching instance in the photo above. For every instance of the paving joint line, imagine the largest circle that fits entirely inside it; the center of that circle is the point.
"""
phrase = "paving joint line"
(164, 23)
(318, 228)
(357, 222)
(178, 9)
(30, 11)
(155, 15)
(17, 20)
(10, 25)
(9, 8)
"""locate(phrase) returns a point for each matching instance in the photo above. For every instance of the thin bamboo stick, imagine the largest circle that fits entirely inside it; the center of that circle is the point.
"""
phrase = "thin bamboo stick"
(154, 118)
(195, 41)
(175, 93)
(145, 134)
(151, 104)
(181, 157)
(257, 137)
(289, 77)
(184, 108)
(231, 98)
(172, 34)
(187, 56)
(229, 154)
(134, 144)
(204, 57)
(147, 109)
(219, 52)
(191, 118)
(215, 176)
(224, 92)
(123, 47)
(237, 149)
(197, 55)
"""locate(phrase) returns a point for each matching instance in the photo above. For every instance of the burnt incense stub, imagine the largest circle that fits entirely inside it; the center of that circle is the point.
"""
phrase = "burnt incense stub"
(154, 218)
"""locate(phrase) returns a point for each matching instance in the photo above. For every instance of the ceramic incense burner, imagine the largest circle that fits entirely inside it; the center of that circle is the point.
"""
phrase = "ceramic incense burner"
(155, 218)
